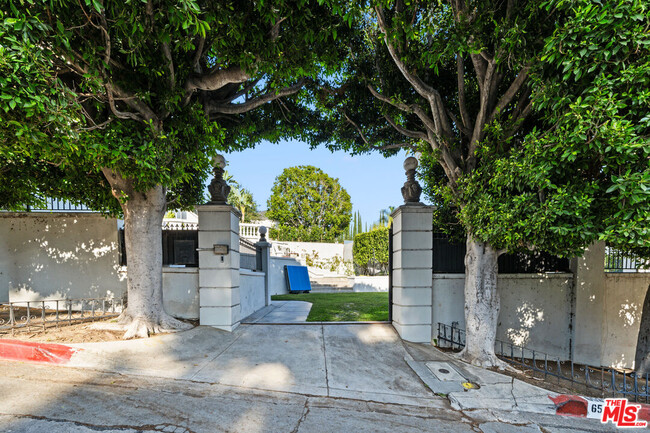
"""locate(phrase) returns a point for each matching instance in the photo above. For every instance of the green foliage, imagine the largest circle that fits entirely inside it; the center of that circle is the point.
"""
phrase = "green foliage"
(585, 175)
(551, 154)
(338, 307)
(370, 251)
(308, 205)
(241, 198)
(332, 264)
(150, 90)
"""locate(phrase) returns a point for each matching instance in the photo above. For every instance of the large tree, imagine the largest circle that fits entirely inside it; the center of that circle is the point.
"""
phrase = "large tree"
(463, 81)
(156, 88)
(308, 206)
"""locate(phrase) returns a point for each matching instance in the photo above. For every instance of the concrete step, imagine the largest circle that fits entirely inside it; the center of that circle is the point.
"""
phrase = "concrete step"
(332, 281)
(330, 289)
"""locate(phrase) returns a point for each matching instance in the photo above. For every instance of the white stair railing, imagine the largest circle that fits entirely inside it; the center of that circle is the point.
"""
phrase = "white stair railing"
(249, 230)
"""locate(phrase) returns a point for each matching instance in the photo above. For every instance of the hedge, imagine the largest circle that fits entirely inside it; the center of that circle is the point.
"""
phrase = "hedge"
(370, 251)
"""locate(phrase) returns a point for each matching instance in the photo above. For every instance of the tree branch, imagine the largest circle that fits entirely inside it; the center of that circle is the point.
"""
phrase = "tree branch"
(214, 81)
(479, 124)
(396, 146)
(510, 93)
(399, 105)
(363, 137)
(422, 88)
(460, 72)
(418, 135)
(114, 110)
(197, 55)
(217, 108)
(243, 91)
(135, 103)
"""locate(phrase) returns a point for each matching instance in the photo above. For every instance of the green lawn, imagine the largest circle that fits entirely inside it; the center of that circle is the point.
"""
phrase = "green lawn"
(342, 307)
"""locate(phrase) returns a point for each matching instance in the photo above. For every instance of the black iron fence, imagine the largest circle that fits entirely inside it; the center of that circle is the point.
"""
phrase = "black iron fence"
(621, 261)
(179, 247)
(180, 242)
(449, 258)
(56, 205)
(593, 380)
(40, 315)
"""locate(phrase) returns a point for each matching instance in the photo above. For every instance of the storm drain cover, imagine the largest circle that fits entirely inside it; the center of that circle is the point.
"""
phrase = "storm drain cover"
(444, 371)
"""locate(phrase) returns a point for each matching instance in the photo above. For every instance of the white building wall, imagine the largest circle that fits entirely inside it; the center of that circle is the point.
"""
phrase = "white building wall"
(59, 255)
(251, 289)
(301, 249)
(370, 283)
(535, 308)
(277, 280)
(181, 292)
(623, 304)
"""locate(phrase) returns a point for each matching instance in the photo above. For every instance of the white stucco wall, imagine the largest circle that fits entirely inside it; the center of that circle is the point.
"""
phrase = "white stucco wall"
(623, 304)
(58, 255)
(370, 284)
(181, 292)
(251, 292)
(535, 308)
(300, 249)
(277, 280)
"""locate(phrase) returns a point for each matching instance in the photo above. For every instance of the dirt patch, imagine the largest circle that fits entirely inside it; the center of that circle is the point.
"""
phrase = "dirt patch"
(65, 333)
(75, 333)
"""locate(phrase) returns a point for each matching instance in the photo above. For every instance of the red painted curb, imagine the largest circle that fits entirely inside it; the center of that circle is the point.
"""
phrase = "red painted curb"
(570, 405)
(16, 350)
(574, 405)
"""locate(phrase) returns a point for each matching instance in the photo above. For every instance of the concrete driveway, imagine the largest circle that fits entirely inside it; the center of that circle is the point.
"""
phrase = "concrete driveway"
(356, 361)
(261, 378)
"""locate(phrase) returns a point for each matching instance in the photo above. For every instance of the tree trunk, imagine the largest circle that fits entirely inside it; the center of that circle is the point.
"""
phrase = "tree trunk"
(143, 214)
(642, 355)
(481, 304)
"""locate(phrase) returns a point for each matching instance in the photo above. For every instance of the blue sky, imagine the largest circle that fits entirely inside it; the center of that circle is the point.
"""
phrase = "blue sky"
(372, 181)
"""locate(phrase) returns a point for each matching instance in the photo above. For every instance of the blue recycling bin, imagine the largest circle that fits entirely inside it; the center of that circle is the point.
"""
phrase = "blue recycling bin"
(297, 279)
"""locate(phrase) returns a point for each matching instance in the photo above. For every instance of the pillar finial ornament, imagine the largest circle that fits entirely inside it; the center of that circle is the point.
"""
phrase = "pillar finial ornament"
(218, 188)
(411, 190)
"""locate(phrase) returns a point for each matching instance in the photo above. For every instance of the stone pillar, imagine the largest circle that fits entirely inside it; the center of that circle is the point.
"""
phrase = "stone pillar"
(263, 258)
(219, 273)
(413, 272)
(589, 308)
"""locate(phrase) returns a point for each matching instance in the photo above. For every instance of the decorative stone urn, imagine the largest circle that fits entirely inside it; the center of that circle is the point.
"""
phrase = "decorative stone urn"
(411, 190)
(218, 188)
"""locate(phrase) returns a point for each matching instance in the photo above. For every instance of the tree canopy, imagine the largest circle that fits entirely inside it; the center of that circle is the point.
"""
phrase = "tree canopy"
(528, 115)
(154, 86)
(308, 206)
(133, 99)
(583, 174)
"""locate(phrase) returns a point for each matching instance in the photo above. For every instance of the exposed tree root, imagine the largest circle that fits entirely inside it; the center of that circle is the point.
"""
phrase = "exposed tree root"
(143, 327)
(484, 360)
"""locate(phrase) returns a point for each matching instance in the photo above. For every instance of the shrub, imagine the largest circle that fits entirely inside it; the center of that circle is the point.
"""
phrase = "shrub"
(370, 252)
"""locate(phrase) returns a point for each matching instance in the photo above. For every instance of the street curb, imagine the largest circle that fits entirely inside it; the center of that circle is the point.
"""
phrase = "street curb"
(48, 353)
(577, 406)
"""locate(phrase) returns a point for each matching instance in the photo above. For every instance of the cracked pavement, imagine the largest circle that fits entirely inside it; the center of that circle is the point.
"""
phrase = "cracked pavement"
(260, 378)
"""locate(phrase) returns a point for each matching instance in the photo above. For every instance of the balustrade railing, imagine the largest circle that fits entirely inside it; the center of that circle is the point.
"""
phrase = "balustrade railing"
(249, 230)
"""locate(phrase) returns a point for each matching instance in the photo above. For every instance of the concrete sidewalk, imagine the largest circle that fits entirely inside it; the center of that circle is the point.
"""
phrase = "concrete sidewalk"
(281, 312)
(366, 362)
(356, 361)
(348, 363)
